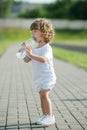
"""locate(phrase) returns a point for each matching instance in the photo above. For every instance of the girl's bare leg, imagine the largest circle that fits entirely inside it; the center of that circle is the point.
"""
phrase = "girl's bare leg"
(45, 102)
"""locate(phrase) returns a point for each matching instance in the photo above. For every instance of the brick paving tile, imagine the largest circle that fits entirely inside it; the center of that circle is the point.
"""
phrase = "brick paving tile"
(20, 104)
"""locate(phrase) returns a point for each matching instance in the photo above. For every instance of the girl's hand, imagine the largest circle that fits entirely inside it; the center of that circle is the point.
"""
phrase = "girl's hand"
(23, 46)
(29, 50)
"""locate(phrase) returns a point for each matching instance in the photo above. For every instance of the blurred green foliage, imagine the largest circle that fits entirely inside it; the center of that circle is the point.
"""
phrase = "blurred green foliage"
(68, 9)
(61, 9)
(5, 8)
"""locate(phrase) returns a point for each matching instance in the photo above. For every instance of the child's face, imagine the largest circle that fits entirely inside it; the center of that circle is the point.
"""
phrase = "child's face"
(37, 35)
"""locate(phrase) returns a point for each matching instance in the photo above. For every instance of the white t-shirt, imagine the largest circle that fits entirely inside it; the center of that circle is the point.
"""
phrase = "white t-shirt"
(43, 73)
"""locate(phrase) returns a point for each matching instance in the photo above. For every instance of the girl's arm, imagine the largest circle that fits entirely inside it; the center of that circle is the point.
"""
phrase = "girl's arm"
(38, 58)
(35, 57)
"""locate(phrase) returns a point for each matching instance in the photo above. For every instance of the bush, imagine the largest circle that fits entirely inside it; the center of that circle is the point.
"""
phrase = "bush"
(35, 13)
(78, 10)
(60, 9)
(29, 14)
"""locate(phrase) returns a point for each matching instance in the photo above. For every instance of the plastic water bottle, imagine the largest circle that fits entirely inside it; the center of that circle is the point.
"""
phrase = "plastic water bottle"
(23, 54)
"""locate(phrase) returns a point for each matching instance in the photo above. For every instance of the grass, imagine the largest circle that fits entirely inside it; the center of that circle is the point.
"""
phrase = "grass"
(12, 35)
(79, 59)
(72, 37)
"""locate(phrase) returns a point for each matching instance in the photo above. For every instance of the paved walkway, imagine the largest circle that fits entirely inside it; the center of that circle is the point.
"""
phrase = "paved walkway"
(20, 105)
(76, 48)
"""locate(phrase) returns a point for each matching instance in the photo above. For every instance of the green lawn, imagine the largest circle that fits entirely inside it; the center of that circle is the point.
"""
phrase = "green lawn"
(72, 37)
(12, 35)
(77, 58)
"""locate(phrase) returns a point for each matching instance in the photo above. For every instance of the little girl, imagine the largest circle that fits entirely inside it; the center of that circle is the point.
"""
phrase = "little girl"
(42, 62)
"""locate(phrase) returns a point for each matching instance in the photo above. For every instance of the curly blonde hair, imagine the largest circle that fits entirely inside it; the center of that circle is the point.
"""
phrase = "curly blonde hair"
(45, 27)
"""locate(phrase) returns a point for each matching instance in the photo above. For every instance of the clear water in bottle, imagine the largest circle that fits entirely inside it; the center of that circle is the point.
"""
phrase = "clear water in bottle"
(22, 54)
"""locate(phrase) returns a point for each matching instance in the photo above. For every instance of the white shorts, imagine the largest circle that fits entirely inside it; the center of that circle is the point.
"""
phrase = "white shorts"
(45, 86)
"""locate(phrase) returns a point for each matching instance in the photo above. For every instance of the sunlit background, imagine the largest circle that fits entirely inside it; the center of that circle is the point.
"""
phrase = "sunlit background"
(69, 18)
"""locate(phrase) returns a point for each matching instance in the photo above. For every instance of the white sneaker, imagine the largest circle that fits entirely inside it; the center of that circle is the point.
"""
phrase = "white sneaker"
(47, 120)
(40, 118)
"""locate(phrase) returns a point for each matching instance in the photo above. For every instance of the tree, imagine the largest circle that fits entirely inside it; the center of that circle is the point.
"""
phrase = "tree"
(59, 9)
(5, 7)
(79, 10)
